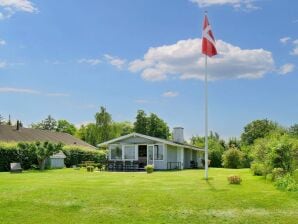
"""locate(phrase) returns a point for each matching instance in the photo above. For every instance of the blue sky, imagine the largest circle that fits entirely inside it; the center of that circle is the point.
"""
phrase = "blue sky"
(67, 58)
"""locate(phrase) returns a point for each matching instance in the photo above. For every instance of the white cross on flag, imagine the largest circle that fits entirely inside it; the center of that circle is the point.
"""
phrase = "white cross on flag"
(208, 42)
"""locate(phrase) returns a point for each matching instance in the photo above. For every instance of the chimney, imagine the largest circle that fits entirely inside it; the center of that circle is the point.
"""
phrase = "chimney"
(178, 135)
(18, 125)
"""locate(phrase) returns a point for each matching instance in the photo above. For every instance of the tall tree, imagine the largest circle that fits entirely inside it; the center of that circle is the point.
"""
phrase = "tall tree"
(47, 124)
(122, 128)
(293, 130)
(141, 123)
(66, 127)
(157, 127)
(257, 129)
(9, 121)
(103, 125)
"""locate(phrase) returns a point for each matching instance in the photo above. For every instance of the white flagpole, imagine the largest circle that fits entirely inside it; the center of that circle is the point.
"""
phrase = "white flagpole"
(206, 119)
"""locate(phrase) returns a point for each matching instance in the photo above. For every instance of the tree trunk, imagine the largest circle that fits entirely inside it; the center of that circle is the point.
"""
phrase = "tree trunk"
(42, 163)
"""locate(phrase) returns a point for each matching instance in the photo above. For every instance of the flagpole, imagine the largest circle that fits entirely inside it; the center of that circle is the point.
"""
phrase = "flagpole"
(206, 116)
(206, 120)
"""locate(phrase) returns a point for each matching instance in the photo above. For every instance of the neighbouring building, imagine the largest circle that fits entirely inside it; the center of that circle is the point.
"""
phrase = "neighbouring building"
(20, 134)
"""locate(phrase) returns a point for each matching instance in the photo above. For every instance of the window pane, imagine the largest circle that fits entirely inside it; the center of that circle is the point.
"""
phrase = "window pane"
(116, 152)
(158, 152)
(129, 152)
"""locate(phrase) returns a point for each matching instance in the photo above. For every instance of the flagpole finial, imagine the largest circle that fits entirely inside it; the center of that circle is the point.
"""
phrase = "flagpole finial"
(206, 12)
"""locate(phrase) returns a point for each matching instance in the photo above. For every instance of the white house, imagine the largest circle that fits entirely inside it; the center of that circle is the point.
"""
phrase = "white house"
(142, 150)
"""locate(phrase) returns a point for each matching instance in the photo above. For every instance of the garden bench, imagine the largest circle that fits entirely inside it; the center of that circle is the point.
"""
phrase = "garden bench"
(15, 168)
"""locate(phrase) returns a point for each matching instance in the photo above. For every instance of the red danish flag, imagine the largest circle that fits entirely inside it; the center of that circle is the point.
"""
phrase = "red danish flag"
(208, 42)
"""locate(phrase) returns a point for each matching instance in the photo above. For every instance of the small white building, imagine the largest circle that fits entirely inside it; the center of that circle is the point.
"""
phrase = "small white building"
(56, 161)
(147, 150)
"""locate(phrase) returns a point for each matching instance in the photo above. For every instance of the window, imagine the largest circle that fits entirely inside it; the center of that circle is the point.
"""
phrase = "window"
(116, 152)
(158, 152)
(129, 152)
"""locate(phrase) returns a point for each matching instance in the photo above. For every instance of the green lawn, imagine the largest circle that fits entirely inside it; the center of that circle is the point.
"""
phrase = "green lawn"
(71, 196)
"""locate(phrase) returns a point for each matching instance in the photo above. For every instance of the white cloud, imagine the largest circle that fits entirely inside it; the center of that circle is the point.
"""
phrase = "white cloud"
(170, 94)
(185, 61)
(285, 40)
(141, 101)
(247, 5)
(18, 5)
(9, 7)
(286, 68)
(295, 50)
(2, 42)
(90, 61)
(115, 61)
(58, 94)
(18, 90)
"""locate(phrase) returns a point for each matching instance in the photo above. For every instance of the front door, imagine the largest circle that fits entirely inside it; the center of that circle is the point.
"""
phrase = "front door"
(142, 151)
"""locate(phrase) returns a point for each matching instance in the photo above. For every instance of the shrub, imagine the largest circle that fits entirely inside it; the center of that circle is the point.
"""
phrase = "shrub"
(23, 153)
(76, 155)
(149, 168)
(14, 152)
(277, 173)
(258, 169)
(90, 168)
(232, 158)
(234, 179)
(295, 175)
(286, 183)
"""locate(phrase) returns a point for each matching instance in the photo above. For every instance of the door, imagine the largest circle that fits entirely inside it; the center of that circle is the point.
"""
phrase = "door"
(142, 152)
(150, 154)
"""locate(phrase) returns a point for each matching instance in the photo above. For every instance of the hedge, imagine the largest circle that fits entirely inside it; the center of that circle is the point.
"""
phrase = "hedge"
(19, 152)
(11, 152)
(76, 155)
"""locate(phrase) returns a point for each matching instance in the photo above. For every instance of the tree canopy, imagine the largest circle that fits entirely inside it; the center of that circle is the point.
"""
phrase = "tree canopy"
(151, 125)
(257, 129)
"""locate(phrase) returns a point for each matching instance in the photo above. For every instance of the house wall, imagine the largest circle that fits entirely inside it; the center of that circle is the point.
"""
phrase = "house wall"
(55, 163)
(171, 153)
(187, 157)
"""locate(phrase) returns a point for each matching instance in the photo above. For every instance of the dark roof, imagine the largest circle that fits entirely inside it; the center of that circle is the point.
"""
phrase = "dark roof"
(11, 134)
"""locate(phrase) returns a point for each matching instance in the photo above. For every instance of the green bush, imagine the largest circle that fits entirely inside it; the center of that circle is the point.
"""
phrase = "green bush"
(258, 169)
(277, 173)
(232, 158)
(149, 168)
(16, 152)
(286, 183)
(295, 175)
(22, 152)
(234, 179)
(76, 155)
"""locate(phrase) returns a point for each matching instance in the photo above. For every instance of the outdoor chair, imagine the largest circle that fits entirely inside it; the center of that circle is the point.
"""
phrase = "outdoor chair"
(111, 166)
(128, 165)
(119, 166)
(135, 165)
(15, 168)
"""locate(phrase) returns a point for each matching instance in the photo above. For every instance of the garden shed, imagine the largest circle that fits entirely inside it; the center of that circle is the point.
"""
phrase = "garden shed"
(56, 161)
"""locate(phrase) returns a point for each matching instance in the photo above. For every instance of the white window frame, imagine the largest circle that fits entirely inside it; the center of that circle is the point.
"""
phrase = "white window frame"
(110, 152)
(163, 152)
(123, 152)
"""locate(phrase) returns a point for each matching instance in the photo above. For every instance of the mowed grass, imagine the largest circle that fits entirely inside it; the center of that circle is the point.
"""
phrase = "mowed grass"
(71, 196)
